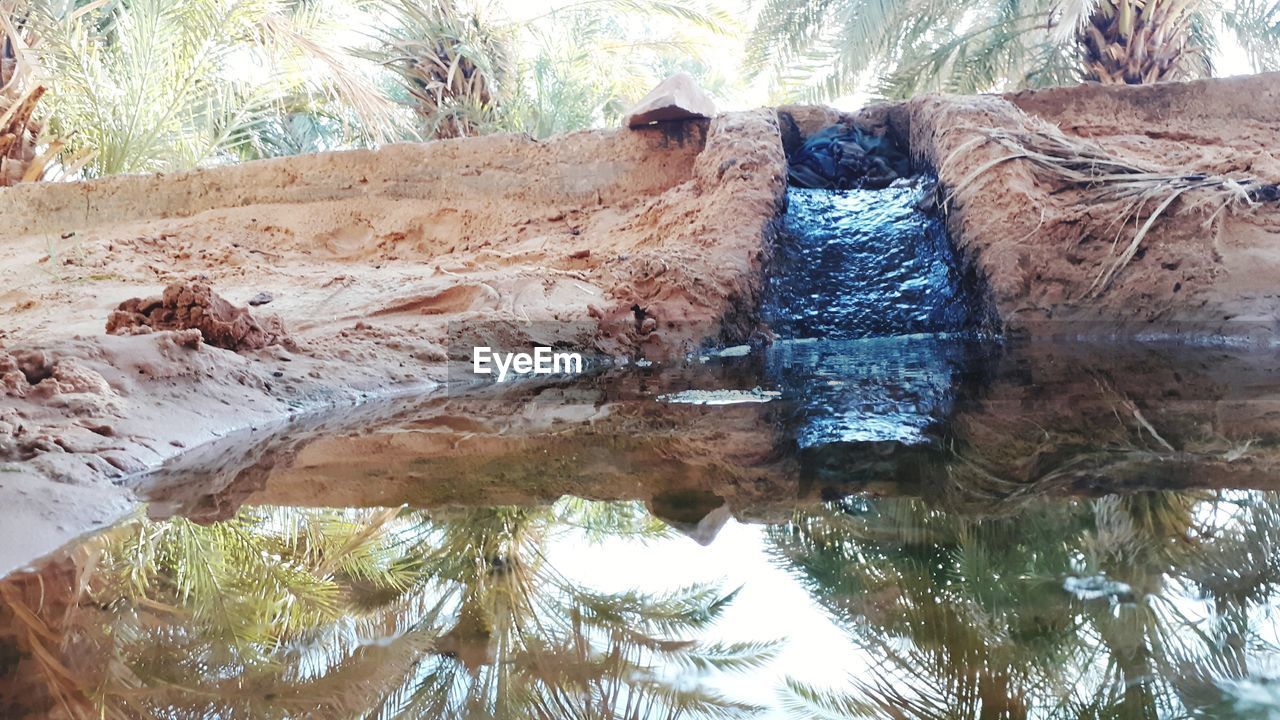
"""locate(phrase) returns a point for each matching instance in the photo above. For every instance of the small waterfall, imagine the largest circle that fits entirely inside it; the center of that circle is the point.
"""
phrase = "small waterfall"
(874, 325)
(853, 264)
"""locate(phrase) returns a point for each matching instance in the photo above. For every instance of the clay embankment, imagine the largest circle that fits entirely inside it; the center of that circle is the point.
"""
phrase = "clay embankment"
(366, 257)
(1037, 241)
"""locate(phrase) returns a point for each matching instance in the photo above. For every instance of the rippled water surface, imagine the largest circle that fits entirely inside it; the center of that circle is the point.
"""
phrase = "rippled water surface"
(865, 263)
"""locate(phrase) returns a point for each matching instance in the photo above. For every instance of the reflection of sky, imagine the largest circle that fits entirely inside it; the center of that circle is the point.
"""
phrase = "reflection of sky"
(771, 605)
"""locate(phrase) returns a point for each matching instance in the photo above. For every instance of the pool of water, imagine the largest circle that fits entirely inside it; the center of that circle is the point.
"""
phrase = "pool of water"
(908, 527)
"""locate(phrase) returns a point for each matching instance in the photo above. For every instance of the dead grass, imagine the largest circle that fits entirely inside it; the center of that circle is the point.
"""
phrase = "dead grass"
(20, 93)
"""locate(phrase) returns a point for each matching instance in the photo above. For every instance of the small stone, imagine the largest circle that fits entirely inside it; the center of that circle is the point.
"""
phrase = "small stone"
(261, 298)
(676, 98)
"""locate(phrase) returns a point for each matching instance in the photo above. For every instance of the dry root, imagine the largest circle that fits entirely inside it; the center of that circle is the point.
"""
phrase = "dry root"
(1145, 192)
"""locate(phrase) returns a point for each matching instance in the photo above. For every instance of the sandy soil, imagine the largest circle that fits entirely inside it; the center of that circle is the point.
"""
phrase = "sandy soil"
(638, 243)
(1038, 244)
(362, 266)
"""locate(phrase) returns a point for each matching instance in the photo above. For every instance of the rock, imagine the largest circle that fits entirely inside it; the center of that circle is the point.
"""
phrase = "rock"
(188, 306)
(676, 98)
(841, 158)
(71, 377)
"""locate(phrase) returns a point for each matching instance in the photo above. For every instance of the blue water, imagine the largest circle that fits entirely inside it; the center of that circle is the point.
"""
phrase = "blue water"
(865, 263)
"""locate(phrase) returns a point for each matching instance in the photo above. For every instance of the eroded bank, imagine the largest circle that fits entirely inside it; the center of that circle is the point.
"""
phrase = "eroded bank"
(650, 243)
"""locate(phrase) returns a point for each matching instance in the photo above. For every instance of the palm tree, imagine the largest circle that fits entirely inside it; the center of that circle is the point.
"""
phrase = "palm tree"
(827, 48)
(468, 69)
(453, 63)
(979, 643)
(1137, 42)
(20, 94)
(149, 85)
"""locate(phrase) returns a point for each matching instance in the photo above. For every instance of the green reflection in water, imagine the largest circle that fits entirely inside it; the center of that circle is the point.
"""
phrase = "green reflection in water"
(323, 613)
(1151, 605)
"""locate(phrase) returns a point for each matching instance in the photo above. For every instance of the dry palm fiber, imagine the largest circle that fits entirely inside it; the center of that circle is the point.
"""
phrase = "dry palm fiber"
(1145, 192)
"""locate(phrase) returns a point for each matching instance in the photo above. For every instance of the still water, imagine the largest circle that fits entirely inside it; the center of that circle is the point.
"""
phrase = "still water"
(960, 531)
(880, 515)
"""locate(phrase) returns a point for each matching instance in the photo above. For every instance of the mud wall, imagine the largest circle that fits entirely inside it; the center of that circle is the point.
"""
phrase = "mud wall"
(1041, 242)
(490, 180)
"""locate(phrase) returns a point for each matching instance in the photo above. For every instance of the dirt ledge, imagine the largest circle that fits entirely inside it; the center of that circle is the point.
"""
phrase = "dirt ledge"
(368, 257)
(1040, 243)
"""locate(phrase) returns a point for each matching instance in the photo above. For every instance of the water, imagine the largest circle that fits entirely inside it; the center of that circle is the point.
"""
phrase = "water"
(880, 515)
(1041, 530)
(866, 263)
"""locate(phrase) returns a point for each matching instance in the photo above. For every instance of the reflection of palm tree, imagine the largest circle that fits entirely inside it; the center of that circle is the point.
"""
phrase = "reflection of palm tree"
(328, 613)
(972, 620)
(528, 642)
(896, 570)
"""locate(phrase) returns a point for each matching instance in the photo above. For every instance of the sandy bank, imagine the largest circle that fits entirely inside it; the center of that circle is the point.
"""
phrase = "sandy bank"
(368, 256)
(1040, 243)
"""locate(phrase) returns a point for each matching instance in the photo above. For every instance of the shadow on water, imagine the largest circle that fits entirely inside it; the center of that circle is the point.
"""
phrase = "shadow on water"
(928, 525)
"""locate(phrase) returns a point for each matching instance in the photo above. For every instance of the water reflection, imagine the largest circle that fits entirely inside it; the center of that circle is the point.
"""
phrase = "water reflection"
(1150, 605)
(876, 390)
(935, 529)
(310, 613)
(982, 617)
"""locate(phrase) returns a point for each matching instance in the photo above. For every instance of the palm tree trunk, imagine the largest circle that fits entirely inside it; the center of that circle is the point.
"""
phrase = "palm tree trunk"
(19, 130)
(1136, 42)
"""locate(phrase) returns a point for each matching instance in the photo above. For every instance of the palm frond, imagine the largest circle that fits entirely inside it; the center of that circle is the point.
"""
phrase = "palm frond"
(1255, 24)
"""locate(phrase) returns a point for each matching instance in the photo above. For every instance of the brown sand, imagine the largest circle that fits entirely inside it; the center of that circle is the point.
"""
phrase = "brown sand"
(632, 243)
(643, 243)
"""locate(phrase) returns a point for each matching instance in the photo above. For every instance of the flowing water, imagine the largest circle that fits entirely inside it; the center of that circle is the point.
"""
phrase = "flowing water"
(865, 263)
(844, 524)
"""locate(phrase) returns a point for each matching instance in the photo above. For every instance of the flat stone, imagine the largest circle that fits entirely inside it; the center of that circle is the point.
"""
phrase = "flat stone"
(676, 98)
